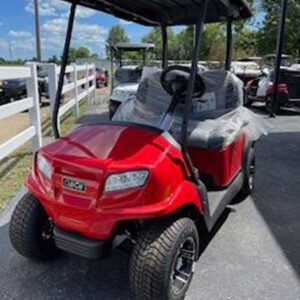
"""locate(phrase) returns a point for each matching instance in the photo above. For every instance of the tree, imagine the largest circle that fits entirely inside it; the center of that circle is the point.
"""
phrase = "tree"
(211, 44)
(54, 59)
(116, 35)
(82, 52)
(155, 37)
(95, 56)
(245, 43)
(72, 55)
(267, 34)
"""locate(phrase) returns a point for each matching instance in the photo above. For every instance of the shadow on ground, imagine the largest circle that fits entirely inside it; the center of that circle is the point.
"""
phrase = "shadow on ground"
(278, 190)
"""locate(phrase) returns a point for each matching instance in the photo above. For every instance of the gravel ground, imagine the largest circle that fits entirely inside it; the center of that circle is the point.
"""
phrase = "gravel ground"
(253, 253)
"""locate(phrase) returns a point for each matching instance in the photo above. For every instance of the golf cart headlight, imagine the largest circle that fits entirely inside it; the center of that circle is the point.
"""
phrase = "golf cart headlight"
(44, 166)
(126, 180)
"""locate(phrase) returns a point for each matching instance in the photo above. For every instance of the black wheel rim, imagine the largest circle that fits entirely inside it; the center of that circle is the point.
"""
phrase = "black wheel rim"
(183, 266)
(269, 104)
(252, 176)
(46, 231)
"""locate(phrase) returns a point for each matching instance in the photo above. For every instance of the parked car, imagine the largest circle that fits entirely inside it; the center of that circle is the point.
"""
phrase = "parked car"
(262, 88)
(101, 78)
(15, 89)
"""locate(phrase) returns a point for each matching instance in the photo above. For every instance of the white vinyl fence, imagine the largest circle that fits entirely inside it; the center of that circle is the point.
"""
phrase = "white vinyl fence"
(77, 76)
(31, 103)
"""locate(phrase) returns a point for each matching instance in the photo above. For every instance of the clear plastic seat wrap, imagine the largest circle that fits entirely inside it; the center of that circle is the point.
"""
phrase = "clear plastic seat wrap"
(216, 119)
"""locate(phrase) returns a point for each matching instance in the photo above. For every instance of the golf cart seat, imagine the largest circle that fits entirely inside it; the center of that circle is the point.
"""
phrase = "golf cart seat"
(214, 120)
(214, 116)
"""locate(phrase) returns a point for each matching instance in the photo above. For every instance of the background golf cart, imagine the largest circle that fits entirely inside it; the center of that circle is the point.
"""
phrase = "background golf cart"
(262, 88)
(246, 70)
(126, 78)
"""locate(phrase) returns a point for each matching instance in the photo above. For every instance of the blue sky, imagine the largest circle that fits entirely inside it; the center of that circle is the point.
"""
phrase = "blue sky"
(91, 28)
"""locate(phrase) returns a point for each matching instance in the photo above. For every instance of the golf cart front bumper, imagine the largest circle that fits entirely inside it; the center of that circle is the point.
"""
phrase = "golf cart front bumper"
(77, 244)
(100, 223)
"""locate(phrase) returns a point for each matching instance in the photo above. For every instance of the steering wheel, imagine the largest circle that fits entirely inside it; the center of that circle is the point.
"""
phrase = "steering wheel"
(175, 79)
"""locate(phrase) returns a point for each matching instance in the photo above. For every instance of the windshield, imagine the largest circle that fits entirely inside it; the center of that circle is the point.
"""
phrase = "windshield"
(128, 75)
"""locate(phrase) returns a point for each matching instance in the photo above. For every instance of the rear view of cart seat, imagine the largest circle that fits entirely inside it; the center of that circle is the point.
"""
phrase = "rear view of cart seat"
(214, 119)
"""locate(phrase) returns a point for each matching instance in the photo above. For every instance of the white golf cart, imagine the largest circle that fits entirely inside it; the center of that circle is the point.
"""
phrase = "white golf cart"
(127, 77)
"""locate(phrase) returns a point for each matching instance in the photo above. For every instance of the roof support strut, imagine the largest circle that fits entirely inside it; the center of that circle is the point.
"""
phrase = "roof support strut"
(63, 70)
(191, 85)
(164, 46)
(229, 44)
(278, 57)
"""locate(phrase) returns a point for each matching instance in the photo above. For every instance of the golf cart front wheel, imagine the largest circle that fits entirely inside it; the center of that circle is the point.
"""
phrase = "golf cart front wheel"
(163, 259)
(31, 231)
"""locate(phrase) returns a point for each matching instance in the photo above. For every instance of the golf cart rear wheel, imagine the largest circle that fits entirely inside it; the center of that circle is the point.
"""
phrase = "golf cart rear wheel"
(249, 174)
(269, 105)
(31, 231)
(163, 259)
(247, 101)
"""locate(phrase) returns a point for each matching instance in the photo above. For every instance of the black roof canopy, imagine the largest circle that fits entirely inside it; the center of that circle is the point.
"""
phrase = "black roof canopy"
(169, 12)
(133, 47)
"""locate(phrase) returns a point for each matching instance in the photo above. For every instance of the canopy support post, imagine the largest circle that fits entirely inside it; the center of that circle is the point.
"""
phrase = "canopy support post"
(112, 54)
(64, 63)
(121, 58)
(144, 58)
(278, 57)
(190, 89)
(229, 44)
(164, 46)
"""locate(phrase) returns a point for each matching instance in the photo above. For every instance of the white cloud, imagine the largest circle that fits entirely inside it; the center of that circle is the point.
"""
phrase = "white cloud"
(58, 8)
(125, 22)
(89, 35)
(18, 34)
(3, 44)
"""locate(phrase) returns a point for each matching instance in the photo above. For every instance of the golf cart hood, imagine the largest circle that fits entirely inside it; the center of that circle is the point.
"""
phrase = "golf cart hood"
(103, 148)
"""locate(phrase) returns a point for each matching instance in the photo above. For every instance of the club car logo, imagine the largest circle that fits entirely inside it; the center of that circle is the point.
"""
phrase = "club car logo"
(74, 185)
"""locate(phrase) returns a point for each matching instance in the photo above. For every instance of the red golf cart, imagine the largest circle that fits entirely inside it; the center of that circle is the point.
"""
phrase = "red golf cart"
(159, 174)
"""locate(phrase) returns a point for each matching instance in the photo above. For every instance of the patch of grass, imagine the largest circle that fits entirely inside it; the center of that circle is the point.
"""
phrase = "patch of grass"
(15, 167)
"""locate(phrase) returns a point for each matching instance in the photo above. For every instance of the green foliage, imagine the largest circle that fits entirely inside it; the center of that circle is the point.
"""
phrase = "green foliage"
(155, 37)
(267, 34)
(117, 35)
(245, 43)
(82, 52)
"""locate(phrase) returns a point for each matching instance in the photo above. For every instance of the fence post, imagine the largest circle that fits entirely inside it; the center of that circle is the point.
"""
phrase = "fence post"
(34, 112)
(94, 81)
(52, 86)
(87, 80)
(75, 89)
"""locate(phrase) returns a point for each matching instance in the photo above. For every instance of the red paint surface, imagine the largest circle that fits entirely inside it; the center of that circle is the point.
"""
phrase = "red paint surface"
(91, 153)
(222, 164)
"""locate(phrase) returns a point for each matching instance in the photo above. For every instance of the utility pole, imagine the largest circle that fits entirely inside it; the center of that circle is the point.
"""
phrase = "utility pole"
(284, 4)
(10, 50)
(37, 30)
